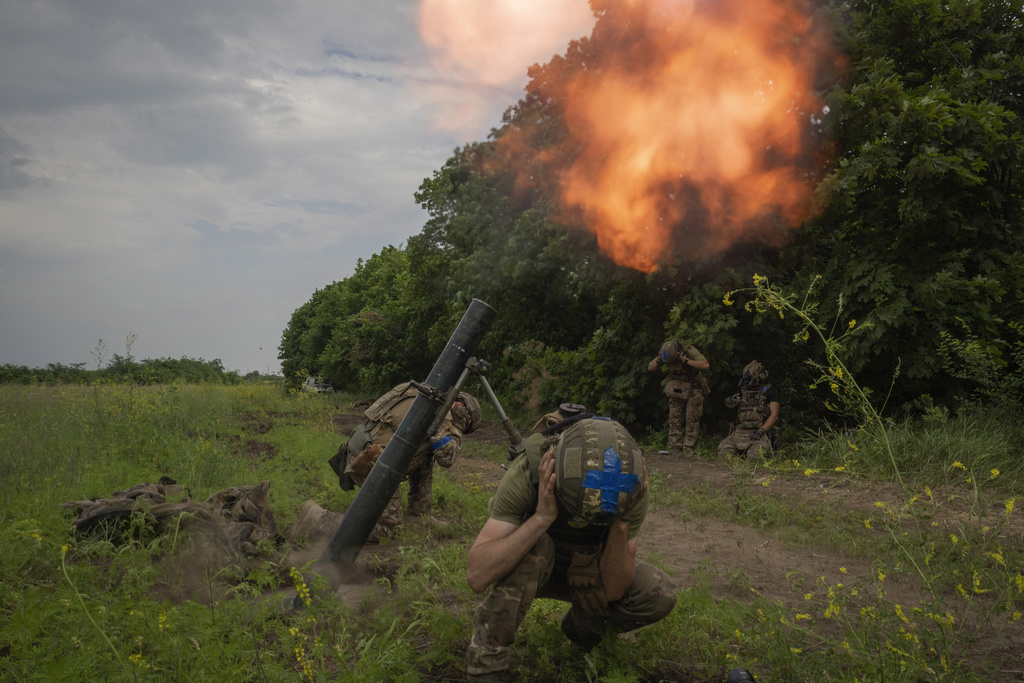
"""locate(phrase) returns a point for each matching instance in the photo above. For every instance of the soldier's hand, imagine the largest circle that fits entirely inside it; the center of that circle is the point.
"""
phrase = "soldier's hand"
(732, 401)
(653, 365)
(756, 436)
(547, 504)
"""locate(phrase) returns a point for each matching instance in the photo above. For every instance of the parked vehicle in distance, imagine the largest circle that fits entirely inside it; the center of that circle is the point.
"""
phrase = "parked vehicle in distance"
(315, 385)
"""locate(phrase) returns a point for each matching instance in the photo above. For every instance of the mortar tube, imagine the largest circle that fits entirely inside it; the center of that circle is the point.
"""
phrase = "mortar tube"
(375, 493)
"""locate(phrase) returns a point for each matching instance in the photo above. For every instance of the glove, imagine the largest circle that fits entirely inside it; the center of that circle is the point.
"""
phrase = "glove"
(585, 585)
(732, 401)
(756, 436)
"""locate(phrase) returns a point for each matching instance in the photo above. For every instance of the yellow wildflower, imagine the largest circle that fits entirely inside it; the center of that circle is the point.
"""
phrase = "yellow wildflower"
(954, 538)
(808, 472)
(959, 465)
(867, 523)
(853, 324)
(841, 468)
(727, 300)
(995, 473)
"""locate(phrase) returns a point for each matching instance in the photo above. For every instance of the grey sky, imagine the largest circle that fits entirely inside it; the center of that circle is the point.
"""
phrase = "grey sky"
(191, 172)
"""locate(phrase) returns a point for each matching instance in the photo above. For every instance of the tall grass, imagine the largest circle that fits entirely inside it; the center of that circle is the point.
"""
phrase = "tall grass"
(141, 606)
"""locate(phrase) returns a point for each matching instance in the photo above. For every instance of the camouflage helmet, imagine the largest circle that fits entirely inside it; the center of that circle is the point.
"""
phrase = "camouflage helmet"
(754, 375)
(599, 471)
(473, 414)
(670, 350)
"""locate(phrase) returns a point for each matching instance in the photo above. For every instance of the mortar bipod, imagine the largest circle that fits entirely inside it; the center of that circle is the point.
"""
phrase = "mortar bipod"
(482, 369)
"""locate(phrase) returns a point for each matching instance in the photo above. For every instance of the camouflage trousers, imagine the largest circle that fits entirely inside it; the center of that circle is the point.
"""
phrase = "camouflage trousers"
(541, 574)
(739, 443)
(684, 413)
(421, 481)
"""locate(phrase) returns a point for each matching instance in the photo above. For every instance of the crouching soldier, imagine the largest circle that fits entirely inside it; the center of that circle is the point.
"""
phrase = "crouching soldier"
(562, 525)
(357, 456)
(757, 411)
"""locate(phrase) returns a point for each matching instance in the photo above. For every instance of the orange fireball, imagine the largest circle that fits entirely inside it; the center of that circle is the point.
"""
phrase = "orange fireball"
(687, 128)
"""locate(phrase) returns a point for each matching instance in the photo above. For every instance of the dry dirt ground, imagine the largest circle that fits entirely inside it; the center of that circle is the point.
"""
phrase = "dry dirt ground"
(742, 561)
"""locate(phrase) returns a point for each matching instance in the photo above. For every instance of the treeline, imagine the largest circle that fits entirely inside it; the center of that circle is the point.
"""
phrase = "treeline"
(125, 369)
(917, 242)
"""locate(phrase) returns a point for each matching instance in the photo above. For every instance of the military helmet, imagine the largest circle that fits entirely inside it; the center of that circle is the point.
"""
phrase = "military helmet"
(599, 471)
(670, 350)
(474, 414)
(754, 375)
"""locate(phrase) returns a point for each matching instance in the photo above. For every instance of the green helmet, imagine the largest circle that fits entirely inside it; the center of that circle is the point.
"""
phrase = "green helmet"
(599, 471)
(474, 415)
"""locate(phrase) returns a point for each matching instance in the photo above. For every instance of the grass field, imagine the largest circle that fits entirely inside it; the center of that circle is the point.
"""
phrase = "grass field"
(925, 582)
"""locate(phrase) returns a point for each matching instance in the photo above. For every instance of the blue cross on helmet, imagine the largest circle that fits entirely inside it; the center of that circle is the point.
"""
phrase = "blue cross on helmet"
(599, 471)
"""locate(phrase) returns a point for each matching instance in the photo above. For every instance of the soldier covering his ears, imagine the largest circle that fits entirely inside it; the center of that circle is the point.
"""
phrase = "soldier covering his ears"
(685, 388)
(563, 525)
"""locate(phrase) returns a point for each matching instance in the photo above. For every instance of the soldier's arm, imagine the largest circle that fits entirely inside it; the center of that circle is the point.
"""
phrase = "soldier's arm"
(618, 561)
(773, 416)
(501, 546)
(700, 362)
(447, 443)
(653, 365)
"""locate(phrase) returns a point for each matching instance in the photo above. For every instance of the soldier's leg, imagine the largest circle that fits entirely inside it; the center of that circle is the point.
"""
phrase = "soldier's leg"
(727, 446)
(389, 520)
(760, 447)
(498, 617)
(694, 410)
(676, 418)
(421, 482)
(651, 597)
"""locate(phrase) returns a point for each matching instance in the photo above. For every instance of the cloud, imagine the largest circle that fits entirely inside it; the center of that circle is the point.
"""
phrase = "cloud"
(192, 172)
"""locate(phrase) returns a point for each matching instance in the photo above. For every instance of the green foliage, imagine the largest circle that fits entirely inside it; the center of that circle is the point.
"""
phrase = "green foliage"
(918, 231)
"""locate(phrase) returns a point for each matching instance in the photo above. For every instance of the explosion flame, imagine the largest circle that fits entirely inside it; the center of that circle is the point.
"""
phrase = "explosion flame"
(688, 127)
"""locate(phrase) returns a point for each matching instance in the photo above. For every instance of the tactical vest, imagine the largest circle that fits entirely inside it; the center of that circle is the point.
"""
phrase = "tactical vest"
(677, 369)
(380, 411)
(753, 407)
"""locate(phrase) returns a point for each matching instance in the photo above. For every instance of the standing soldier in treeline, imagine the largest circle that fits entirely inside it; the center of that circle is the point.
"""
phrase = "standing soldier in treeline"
(685, 388)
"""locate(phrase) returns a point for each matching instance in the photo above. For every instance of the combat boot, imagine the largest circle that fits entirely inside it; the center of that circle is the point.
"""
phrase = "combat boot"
(575, 629)
(314, 522)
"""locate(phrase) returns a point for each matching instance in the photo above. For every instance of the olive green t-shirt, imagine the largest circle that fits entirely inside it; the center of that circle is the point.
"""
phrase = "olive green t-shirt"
(516, 501)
